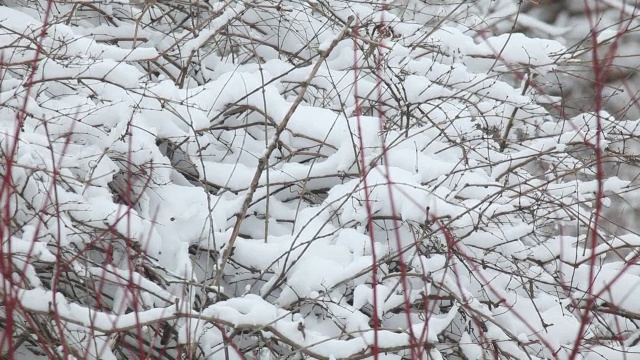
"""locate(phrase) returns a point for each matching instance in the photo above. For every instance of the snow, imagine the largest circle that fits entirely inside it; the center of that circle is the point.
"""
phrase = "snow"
(107, 70)
(519, 48)
(470, 350)
(133, 162)
(198, 42)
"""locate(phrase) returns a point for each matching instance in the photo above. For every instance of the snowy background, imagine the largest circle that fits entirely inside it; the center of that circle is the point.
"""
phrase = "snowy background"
(319, 179)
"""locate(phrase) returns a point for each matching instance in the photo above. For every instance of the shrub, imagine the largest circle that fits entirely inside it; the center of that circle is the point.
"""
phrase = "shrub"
(319, 179)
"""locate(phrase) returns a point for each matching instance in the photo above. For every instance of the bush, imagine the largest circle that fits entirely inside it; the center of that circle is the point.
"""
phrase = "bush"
(315, 179)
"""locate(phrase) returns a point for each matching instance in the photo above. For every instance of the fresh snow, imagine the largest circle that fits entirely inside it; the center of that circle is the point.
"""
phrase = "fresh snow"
(413, 143)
